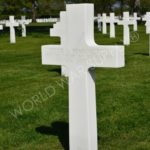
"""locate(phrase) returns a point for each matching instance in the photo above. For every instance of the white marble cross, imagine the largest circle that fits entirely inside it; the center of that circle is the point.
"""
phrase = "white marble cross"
(126, 30)
(99, 22)
(79, 55)
(147, 19)
(135, 18)
(23, 22)
(112, 20)
(104, 23)
(1, 27)
(12, 24)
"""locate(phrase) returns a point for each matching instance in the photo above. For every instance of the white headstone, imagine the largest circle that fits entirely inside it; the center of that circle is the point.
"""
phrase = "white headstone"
(23, 22)
(99, 22)
(80, 54)
(126, 30)
(135, 19)
(112, 20)
(104, 23)
(147, 19)
(1, 27)
(12, 24)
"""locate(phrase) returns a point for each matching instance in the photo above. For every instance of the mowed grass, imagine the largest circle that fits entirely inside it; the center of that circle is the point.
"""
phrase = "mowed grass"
(39, 95)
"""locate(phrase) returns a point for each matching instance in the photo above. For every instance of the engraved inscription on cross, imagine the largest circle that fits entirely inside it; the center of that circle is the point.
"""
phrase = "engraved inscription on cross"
(79, 53)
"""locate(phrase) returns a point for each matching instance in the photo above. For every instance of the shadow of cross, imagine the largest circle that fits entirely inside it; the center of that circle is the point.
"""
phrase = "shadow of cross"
(79, 55)
(57, 128)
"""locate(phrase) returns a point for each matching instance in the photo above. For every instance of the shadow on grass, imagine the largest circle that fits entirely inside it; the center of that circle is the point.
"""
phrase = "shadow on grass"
(58, 70)
(144, 54)
(34, 29)
(120, 42)
(60, 129)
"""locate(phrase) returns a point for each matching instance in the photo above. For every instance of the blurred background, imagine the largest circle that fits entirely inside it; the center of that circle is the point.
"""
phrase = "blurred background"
(51, 8)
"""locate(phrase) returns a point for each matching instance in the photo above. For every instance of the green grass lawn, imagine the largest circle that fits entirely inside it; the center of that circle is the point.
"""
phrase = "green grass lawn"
(41, 123)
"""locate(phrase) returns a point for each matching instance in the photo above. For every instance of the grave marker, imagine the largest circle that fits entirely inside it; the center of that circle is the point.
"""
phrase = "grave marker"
(12, 24)
(99, 22)
(112, 20)
(126, 30)
(79, 55)
(23, 22)
(104, 23)
(147, 24)
(135, 18)
(1, 27)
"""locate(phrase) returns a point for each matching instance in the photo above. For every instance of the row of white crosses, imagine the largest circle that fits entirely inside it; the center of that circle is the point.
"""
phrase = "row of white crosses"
(112, 20)
(104, 20)
(79, 53)
(44, 20)
(12, 24)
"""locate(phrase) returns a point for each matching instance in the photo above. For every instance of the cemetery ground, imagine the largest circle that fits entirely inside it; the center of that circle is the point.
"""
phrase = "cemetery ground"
(39, 95)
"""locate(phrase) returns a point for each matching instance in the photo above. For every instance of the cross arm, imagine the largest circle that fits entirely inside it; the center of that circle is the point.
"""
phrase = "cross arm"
(107, 56)
(53, 55)
(8, 24)
(1, 27)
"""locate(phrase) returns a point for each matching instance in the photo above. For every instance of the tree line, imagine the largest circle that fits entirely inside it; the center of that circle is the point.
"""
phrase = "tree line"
(47, 8)
(139, 6)
(31, 8)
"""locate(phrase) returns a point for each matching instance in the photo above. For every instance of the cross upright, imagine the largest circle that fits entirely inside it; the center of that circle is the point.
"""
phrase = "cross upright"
(79, 56)
(104, 23)
(135, 19)
(147, 19)
(147, 24)
(11, 24)
(23, 22)
(112, 20)
(126, 30)
(99, 22)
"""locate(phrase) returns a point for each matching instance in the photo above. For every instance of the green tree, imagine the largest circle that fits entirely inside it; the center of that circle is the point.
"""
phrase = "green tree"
(145, 6)
(31, 8)
(10, 7)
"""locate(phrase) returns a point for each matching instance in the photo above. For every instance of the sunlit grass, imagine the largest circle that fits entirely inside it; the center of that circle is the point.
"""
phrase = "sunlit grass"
(123, 96)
